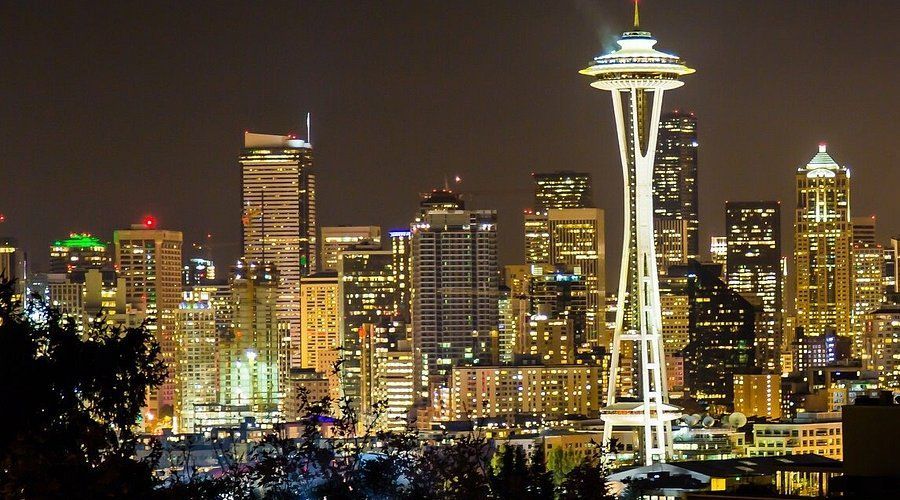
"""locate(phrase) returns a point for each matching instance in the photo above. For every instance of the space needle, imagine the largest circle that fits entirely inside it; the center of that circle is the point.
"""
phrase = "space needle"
(637, 75)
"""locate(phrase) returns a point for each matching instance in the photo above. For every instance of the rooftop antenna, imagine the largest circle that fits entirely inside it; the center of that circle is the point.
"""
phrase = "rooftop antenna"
(308, 129)
(446, 183)
(637, 16)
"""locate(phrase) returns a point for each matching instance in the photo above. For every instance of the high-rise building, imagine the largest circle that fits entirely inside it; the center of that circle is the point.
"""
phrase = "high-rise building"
(883, 345)
(198, 271)
(335, 239)
(278, 188)
(537, 237)
(822, 247)
(196, 370)
(721, 334)
(718, 249)
(11, 260)
(253, 361)
(560, 294)
(638, 75)
(758, 395)
(456, 289)
(867, 272)
(149, 260)
(671, 243)
(562, 189)
(321, 331)
(863, 230)
(401, 248)
(753, 263)
(367, 296)
(79, 251)
(675, 193)
(578, 241)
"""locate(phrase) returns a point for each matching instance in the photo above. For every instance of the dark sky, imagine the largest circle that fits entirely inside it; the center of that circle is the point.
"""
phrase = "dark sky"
(122, 109)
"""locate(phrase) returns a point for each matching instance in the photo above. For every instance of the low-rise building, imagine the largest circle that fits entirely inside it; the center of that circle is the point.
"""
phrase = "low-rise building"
(817, 433)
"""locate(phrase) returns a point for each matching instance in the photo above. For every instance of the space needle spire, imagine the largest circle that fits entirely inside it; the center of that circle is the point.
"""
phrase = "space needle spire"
(637, 75)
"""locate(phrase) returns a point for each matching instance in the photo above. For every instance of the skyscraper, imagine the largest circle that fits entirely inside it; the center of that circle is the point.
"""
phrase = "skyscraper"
(149, 259)
(753, 263)
(456, 289)
(721, 334)
(675, 193)
(822, 247)
(562, 189)
(252, 356)
(578, 241)
(537, 237)
(79, 251)
(278, 187)
(638, 75)
(367, 297)
(335, 239)
(321, 319)
(196, 370)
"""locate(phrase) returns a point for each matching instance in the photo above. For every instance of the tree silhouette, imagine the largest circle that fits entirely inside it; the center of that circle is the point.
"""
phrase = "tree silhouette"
(73, 400)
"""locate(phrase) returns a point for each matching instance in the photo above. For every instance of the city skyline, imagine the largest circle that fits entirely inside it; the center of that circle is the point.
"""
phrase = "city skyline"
(766, 134)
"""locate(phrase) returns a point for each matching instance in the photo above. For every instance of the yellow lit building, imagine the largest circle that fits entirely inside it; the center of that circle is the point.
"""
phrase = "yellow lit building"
(758, 395)
(537, 237)
(883, 345)
(822, 247)
(149, 260)
(868, 291)
(320, 326)
(336, 239)
(196, 371)
(578, 240)
(550, 392)
(818, 433)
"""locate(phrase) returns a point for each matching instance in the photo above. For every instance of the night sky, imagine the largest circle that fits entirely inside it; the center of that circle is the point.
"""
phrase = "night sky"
(114, 111)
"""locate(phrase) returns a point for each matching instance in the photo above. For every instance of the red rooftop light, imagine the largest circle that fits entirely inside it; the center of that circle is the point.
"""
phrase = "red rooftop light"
(150, 222)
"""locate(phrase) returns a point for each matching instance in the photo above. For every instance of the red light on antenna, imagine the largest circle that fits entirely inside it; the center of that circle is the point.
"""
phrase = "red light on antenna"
(2, 218)
(150, 222)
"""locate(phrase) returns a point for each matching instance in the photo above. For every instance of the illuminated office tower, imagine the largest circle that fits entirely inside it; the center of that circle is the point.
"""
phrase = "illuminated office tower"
(758, 395)
(79, 251)
(218, 293)
(367, 296)
(560, 294)
(401, 248)
(863, 230)
(675, 193)
(455, 281)
(822, 247)
(578, 241)
(321, 326)
(867, 270)
(721, 334)
(718, 249)
(335, 239)
(562, 189)
(278, 188)
(387, 375)
(537, 237)
(67, 296)
(883, 345)
(637, 75)
(753, 263)
(11, 260)
(149, 259)
(196, 370)
(252, 356)
(675, 321)
(889, 269)
(199, 270)
(671, 243)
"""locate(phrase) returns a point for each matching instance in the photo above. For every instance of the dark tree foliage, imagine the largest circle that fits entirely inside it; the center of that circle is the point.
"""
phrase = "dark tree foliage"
(587, 481)
(73, 401)
(540, 479)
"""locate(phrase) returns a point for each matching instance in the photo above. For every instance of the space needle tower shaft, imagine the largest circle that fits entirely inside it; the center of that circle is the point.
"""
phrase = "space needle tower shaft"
(637, 75)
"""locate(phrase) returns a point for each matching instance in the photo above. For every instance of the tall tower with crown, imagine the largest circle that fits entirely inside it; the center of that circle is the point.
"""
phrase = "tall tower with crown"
(637, 75)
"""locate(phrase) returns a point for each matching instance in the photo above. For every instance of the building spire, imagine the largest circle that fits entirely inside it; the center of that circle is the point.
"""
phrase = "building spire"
(637, 15)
